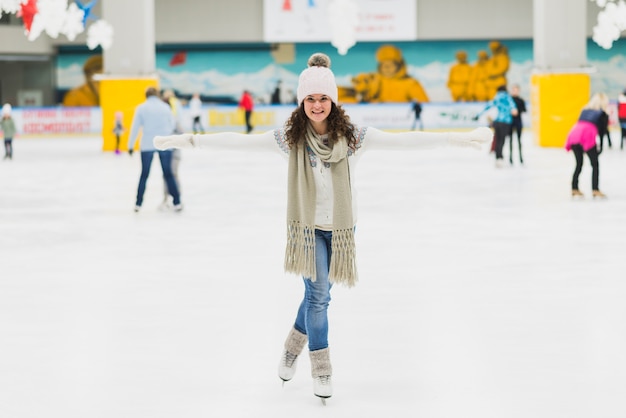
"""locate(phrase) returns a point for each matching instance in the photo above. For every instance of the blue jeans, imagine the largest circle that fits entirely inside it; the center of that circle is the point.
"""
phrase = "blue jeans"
(312, 318)
(166, 164)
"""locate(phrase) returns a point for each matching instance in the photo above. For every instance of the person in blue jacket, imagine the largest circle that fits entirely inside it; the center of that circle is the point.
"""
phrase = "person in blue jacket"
(153, 118)
(503, 121)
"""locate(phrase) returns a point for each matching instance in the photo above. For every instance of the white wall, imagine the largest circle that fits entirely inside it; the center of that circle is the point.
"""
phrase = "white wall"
(476, 19)
(13, 41)
(209, 21)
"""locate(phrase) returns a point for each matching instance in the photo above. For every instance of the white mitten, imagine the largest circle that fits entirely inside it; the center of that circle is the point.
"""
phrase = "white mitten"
(474, 139)
(173, 141)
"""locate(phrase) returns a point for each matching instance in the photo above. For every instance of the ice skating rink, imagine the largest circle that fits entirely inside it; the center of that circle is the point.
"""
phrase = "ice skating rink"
(483, 292)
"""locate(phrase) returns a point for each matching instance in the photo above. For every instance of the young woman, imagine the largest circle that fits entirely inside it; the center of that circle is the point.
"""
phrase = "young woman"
(593, 121)
(323, 148)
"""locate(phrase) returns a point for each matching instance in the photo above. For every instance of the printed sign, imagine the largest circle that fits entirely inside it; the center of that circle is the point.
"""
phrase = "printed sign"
(309, 21)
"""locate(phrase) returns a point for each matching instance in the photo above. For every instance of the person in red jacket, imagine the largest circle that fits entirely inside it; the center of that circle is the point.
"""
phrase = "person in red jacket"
(247, 104)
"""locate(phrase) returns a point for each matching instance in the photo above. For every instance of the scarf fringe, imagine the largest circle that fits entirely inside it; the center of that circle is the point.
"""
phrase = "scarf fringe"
(343, 259)
(300, 251)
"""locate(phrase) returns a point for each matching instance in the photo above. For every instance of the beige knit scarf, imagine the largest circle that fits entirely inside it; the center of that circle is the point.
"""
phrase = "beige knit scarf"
(301, 195)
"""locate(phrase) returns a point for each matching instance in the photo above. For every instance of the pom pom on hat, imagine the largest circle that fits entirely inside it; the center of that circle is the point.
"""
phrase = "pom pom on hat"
(317, 79)
(319, 60)
(6, 109)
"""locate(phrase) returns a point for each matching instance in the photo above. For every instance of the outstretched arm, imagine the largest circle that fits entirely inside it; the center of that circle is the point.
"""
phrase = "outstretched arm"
(222, 140)
(377, 139)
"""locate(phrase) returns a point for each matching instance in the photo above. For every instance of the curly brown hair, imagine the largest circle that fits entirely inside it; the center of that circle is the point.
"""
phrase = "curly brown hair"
(338, 125)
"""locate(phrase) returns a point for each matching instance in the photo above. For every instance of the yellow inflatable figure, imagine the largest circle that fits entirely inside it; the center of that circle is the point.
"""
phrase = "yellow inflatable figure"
(478, 90)
(87, 94)
(459, 77)
(497, 67)
(391, 83)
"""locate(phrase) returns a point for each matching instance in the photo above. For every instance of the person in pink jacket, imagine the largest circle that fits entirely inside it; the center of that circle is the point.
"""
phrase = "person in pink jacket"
(581, 140)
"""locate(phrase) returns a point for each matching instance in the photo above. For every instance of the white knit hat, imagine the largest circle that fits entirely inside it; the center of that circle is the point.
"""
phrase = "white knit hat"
(6, 109)
(317, 80)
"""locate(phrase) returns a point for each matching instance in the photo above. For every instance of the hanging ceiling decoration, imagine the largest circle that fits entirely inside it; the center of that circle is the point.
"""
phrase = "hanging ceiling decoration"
(611, 22)
(55, 17)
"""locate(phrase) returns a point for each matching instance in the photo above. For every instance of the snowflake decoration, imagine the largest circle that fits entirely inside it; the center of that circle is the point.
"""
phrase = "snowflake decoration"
(9, 6)
(55, 17)
(100, 33)
(86, 8)
(28, 10)
(344, 19)
(611, 22)
(49, 18)
(73, 24)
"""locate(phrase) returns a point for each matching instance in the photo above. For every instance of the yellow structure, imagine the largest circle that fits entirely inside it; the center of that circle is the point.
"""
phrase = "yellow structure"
(121, 95)
(556, 101)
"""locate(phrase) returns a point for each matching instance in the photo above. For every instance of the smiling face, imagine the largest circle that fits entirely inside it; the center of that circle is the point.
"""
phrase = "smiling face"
(317, 107)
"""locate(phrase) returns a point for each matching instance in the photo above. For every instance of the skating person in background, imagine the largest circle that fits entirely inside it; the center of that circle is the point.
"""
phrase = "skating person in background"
(416, 109)
(195, 109)
(603, 128)
(118, 130)
(516, 127)
(621, 115)
(153, 118)
(276, 94)
(172, 101)
(322, 147)
(8, 130)
(582, 140)
(503, 120)
(247, 104)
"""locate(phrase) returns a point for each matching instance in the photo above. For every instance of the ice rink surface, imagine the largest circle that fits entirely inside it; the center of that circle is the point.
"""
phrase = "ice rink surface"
(483, 292)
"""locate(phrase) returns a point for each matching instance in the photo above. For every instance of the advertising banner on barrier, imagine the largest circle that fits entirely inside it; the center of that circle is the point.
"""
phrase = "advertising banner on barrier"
(58, 120)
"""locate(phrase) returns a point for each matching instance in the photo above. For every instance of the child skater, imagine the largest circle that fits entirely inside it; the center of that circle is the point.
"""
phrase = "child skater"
(322, 147)
(118, 130)
(8, 130)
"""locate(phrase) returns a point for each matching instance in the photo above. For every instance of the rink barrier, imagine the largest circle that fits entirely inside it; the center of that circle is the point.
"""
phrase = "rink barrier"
(87, 121)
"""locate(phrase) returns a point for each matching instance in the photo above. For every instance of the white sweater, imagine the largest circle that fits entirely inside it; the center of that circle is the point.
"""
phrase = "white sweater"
(367, 139)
